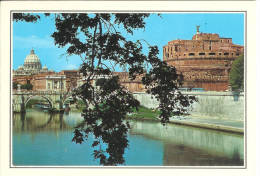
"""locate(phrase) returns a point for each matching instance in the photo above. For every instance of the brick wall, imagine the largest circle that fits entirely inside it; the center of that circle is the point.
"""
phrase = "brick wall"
(204, 61)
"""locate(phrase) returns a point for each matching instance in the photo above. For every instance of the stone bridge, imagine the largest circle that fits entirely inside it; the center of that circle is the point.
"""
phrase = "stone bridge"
(56, 99)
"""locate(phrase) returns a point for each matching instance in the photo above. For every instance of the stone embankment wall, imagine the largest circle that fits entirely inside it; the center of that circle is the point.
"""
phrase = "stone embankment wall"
(202, 140)
(215, 105)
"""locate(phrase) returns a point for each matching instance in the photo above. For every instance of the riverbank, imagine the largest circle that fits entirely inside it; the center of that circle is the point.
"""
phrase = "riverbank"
(215, 124)
(205, 122)
(194, 121)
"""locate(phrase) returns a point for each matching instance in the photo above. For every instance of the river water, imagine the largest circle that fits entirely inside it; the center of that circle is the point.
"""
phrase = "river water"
(41, 139)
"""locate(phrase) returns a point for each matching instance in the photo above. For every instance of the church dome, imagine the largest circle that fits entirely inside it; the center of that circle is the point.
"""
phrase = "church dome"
(32, 58)
(20, 67)
(45, 67)
(32, 62)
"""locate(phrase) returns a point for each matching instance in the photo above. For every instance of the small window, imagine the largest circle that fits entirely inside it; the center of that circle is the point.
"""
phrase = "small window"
(237, 54)
(232, 54)
(184, 54)
(209, 47)
(191, 54)
(176, 48)
(212, 54)
(219, 54)
(226, 54)
(201, 54)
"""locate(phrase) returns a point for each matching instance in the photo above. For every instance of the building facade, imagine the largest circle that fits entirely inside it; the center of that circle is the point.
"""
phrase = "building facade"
(42, 79)
(205, 61)
(131, 85)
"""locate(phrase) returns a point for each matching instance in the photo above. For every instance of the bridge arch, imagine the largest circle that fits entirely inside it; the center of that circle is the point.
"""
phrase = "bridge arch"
(68, 98)
(44, 97)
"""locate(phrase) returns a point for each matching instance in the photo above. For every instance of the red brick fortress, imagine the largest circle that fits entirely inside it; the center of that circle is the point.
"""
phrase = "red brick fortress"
(205, 61)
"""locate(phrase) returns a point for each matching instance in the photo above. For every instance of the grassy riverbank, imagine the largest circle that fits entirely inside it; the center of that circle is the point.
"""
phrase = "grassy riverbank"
(144, 113)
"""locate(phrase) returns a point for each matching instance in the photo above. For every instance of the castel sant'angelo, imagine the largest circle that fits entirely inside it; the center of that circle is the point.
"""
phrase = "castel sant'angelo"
(205, 61)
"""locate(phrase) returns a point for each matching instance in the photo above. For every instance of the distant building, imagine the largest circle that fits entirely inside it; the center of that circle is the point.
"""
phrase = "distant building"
(72, 77)
(205, 61)
(132, 85)
(42, 79)
(32, 65)
(55, 82)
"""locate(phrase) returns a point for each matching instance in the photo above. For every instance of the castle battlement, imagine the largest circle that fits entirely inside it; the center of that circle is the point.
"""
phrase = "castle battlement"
(204, 61)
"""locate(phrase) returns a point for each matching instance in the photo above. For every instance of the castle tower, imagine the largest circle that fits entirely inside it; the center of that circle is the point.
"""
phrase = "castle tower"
(204, 61)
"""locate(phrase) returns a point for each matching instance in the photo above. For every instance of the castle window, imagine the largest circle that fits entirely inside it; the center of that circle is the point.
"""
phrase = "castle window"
(201, 54)
(209, 47)
(226, 54)
(212, 54)
(237, 54)
(191, 54)
(176, 48)
(219, 54)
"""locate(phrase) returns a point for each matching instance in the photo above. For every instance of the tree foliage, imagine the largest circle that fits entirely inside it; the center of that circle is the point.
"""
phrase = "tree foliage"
(27, 86)
(25, 17)
(98, 39)
(236, 76)
(15, 85)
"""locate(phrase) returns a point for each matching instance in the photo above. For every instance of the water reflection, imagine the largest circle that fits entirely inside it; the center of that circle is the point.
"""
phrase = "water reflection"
(150, 143)
(189, 146)
(34, 121)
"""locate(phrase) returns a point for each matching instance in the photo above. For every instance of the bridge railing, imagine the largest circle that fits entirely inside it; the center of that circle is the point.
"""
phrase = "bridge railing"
(15, 92)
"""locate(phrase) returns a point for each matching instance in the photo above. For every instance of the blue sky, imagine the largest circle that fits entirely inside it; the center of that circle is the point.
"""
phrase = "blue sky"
(159, 31)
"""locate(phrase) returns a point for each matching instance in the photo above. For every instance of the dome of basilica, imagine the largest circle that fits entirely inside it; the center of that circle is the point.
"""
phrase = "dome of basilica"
(32, 58)
(32, 65)
(32, 62)
(20, 67)
(44, 67)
